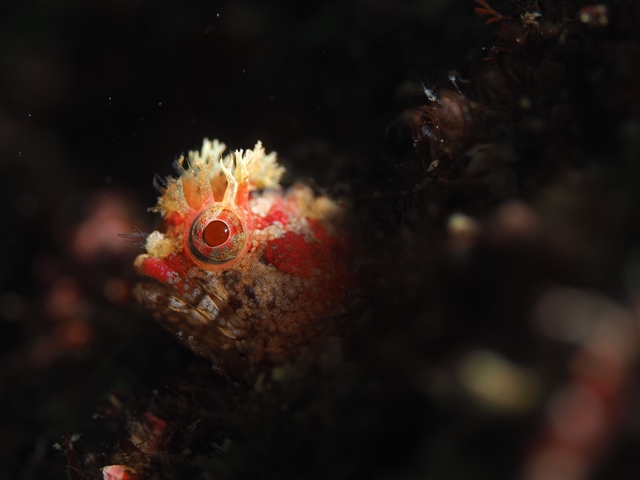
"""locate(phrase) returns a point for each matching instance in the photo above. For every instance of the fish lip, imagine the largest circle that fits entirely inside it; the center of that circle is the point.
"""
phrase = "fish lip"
(139, 262)
(154, 273)
(150, 267)
(147, 282)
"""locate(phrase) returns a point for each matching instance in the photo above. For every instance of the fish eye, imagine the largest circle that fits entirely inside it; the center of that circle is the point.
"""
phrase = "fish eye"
(218, 237)
(215, 233)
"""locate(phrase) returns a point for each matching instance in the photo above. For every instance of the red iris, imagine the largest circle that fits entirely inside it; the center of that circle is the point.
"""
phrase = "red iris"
(215, 233)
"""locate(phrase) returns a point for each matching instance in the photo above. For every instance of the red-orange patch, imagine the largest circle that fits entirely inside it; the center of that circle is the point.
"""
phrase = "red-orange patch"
(293, 255)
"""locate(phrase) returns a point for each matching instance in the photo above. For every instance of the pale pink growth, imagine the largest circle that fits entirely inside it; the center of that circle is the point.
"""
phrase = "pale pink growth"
(153, 424)
(119, 472)
(150, 435)
(573, 315)
(515, 221)
(115, 290)
(64, 299)
(98, 234)
(583, 415)
(577, 416)
(556, 464)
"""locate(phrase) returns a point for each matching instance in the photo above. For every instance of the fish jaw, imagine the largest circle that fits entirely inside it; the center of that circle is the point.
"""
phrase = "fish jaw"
(171, 271)
(187, 310)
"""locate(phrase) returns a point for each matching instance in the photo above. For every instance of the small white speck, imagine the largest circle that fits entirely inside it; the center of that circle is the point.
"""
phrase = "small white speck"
(218, 15)
(159, 104)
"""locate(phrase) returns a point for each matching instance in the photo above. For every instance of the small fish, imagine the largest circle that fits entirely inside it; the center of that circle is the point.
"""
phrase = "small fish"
(244, 273)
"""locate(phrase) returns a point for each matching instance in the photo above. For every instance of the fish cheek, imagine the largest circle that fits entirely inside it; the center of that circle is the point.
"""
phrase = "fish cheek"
(293, 255)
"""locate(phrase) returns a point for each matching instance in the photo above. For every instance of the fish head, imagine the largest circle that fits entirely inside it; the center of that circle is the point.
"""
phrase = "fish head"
(245, 273)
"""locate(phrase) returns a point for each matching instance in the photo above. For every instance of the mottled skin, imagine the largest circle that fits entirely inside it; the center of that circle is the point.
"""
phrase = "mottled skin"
(268, 301)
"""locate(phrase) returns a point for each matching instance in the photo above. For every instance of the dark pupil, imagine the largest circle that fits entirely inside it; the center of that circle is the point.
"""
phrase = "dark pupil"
(216, 233)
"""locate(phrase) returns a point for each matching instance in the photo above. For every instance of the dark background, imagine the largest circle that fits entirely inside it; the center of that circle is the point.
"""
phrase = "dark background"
(98, 96)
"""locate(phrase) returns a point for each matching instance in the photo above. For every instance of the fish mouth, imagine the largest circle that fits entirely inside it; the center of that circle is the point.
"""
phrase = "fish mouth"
(171, 272)
(178, 301)
(223, 347)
